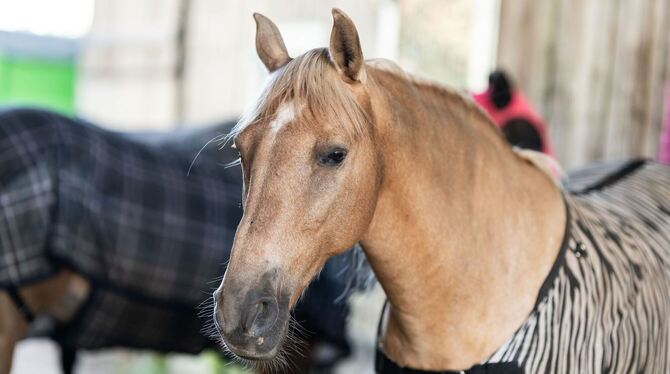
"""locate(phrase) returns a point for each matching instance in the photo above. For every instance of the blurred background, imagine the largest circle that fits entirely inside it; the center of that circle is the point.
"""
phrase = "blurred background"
(595, 72)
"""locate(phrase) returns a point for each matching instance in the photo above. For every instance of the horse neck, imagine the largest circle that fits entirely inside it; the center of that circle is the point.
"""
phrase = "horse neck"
(464, 231)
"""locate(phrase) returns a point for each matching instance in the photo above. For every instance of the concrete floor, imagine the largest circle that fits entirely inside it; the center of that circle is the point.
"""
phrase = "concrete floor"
(40, 356)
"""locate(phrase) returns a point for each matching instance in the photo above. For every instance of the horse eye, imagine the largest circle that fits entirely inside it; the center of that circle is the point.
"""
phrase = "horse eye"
(333, 157)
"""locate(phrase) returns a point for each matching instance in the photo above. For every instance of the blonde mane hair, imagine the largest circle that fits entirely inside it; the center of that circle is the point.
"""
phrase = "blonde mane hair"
(301, 82)
(302, 79)
(443, 95)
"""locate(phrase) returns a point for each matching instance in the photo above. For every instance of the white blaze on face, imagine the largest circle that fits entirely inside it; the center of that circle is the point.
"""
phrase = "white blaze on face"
(285, 114)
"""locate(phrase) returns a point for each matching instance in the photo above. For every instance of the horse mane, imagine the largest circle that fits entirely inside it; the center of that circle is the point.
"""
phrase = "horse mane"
(435, 93)
(301, 83)
(442, 96)
(302, 79)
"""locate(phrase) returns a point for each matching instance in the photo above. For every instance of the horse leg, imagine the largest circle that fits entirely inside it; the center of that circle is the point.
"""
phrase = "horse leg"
(68, 357)
(12, 328)
(59, 296)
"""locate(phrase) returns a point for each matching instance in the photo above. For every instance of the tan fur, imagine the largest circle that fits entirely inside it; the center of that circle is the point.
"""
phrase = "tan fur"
(483, 226)
(459, 230)
(59, 297)
(269, 44)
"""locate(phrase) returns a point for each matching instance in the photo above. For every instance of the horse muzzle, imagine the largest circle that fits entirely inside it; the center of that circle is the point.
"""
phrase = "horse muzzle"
(251, 322)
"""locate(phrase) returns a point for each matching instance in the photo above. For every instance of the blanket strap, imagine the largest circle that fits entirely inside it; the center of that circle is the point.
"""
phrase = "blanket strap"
(21, 305)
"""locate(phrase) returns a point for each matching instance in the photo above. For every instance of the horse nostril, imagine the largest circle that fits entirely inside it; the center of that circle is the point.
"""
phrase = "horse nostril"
(260, 317)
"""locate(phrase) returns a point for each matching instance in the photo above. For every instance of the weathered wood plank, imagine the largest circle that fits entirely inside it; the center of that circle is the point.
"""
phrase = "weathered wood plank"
(595, 70)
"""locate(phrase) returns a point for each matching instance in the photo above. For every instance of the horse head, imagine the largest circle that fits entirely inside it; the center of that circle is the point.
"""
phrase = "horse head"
(312, 167)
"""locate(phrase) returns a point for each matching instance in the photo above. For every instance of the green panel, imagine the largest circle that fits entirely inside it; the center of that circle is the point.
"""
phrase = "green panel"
(42, 82)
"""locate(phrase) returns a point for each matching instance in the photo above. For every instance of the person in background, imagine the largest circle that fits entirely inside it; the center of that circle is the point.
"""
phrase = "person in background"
(510, 110)
(664, 147)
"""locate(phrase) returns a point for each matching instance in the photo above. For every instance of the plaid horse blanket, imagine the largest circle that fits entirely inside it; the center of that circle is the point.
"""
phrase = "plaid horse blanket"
(121, 210)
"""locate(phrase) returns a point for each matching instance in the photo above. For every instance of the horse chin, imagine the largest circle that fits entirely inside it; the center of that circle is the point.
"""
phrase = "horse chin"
(253, 358)
(272, 360)
(260, 353)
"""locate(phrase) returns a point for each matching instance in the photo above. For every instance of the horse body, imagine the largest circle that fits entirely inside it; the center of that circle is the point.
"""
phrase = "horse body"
(456, 195)
(462, 232)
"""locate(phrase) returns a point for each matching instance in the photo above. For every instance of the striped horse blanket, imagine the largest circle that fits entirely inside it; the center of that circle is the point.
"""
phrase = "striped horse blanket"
(121, 210)
(605, 305)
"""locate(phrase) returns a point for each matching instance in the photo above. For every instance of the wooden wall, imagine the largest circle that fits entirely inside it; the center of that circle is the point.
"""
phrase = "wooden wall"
(595, 69)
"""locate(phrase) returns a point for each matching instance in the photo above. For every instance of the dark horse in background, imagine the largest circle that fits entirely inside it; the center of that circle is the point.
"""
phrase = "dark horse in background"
(106, 241)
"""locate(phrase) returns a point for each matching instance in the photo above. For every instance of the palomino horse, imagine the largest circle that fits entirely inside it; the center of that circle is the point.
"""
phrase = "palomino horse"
(486, 262)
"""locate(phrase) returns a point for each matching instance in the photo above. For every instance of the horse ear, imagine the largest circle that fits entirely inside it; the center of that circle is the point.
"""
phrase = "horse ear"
(269, 44)
(345, 48)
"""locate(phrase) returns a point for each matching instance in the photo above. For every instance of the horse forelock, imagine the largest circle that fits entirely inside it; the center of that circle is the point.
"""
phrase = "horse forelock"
(309, 84)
